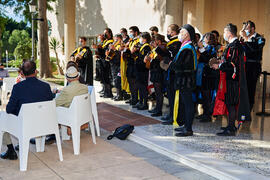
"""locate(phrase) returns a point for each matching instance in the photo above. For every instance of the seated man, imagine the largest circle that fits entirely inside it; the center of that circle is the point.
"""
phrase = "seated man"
(3, 73)
(28, 91)
(74, 88)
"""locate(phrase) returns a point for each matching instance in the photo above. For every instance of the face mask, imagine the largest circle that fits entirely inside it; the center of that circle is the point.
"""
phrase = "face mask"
(80, 44)
(204, 44)
(181, 38)
(152, 34)
(98, 40)
(105, 35)
(225, 38)
(169, 36)
(131, 36)
(247, 32)
(141, 41)
(122, 34)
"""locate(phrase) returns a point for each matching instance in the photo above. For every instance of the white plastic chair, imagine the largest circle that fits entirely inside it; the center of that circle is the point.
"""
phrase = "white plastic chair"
(8, 84)
(75, 116)
(34, 120)
(93, 104)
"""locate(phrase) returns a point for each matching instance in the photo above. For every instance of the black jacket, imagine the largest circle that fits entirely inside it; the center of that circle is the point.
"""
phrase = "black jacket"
(183, 67)
(254, 49)
(141, 71)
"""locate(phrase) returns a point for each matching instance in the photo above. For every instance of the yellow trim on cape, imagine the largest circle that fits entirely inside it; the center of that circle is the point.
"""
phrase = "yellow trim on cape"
(175, 108)
(170, 42)
(106, 42)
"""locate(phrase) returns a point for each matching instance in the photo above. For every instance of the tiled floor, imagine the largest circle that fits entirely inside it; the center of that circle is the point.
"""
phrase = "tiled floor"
(111, 117)
(102, 161)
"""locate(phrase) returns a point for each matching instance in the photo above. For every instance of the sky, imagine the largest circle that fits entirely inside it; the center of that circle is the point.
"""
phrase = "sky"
(10, 13)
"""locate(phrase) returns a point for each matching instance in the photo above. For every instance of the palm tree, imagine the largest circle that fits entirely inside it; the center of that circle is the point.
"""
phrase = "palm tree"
(54, 45)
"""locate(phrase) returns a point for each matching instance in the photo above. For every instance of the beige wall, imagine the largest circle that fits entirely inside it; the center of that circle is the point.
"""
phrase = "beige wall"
(208, 15)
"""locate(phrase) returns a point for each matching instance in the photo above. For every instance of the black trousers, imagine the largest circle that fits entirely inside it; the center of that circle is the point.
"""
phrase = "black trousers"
(143, 93)
(159, 96)
(253, 71)
(206, 100)
(133, 89)
(171, 97)
(187, 108)
(231, 116)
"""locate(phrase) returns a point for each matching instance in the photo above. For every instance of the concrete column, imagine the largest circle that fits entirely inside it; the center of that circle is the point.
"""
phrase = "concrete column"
(266, 50)
(174, 12)
(69, 27)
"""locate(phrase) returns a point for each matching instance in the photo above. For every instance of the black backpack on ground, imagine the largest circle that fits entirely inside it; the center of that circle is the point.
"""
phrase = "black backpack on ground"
(122, 132)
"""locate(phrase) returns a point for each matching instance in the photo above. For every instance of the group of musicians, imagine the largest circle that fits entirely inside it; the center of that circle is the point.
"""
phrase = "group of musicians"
(185, 69)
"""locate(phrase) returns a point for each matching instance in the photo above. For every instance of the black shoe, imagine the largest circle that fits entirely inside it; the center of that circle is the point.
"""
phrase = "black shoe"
(153, 110)
(224, 128)
(166, 118)
(128, 102)
(170, 122)
(199, 116)
(143, 107)
(107, 96)
(118, 98)
(184, 134)
(180, 129)
(157, 114)
(33, 141)
(50, 139)
(126, 96)
(9, 154)
(17, 147)
(227, 132)
(136, 105)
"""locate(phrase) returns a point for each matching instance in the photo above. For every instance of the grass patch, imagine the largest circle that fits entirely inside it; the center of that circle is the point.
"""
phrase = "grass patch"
(58, 79)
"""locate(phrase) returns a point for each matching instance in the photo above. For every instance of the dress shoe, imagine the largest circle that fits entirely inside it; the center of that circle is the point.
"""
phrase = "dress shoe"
(128, 102)
(199, 116)
(166, 118)
(169, 122)
(184, 134)
(227, 132)
(107, 96)
(181, 127)
(17, 147)
(143, 107)
(50, 139)
(136, 105)
(9, 154)
(33, 141)
(153, 110)
(118, 98)
(224, 128)
(126, 96)
(157, 114)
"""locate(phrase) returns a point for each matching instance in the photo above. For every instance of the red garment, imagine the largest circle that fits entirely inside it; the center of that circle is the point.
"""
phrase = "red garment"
(220, 106)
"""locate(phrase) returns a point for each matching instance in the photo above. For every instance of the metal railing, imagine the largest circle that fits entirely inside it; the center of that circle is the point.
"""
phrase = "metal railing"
(263, 113)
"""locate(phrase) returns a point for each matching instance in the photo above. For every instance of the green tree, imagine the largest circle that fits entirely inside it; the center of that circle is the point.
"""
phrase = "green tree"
(55, 45)
(3, 21)
(21, 43)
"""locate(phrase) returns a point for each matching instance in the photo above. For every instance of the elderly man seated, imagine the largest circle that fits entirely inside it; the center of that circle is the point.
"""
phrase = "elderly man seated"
(74, 87)
(28, 91)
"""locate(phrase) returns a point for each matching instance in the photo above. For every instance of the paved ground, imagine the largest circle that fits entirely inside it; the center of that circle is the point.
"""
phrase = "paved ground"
(249, 149)
(107, 160)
